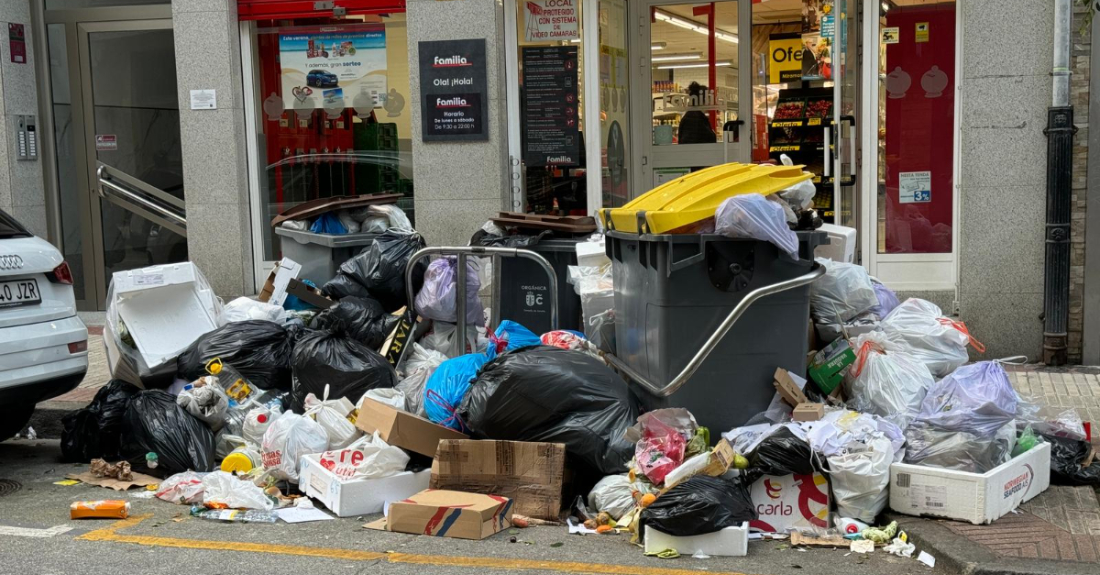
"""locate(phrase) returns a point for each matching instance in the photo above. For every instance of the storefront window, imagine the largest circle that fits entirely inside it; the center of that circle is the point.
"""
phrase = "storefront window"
(916, 107)
(614, 104)
(333, 109)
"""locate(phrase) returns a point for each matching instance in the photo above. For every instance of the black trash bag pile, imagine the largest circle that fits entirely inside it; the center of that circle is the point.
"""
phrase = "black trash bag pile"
(379, 271)
(259, 349)
(346, 366)
(154, 423)
(363, 320)
(557, 396)
(700, 505)
(1066, 458)
(523, 241)
(93, 432)
(779, 454)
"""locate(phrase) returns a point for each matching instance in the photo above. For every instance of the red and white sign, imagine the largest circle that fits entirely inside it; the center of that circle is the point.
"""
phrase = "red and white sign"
(552, 20)
(106, 142)
(791, 501)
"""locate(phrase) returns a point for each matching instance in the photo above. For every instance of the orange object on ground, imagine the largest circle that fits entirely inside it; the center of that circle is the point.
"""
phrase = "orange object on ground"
(108, 509)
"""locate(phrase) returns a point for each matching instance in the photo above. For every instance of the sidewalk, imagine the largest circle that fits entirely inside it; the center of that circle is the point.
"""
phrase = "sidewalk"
(1058, 531)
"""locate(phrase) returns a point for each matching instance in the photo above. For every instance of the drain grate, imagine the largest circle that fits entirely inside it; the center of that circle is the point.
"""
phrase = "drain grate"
(9, 486)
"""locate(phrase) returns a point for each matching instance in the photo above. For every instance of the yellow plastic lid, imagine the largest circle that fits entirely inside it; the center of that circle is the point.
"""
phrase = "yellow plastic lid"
(695, 197)
(237, 462)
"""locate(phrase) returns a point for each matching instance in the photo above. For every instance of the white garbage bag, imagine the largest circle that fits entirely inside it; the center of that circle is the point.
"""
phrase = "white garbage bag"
(919, 328)
(368, 458)
(256, 422)
(289, 438)
(845, 291)
(861, 478)
(753, 216)
(208, 403)
(615, 495)
(245, 308)
(392, 397)
(225, 489)
(332, 415)
(182, 488)
(890, 384)
(420, 366)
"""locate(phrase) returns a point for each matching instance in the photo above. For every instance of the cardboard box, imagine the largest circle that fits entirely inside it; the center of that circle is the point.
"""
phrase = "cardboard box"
(779, 502)
(975, 497)
(808, 412)
(729, 542)
(310, 295)
(358, 496)
(403, 429)
(395, 343)
(274, 290)
(787, 388)
(165, 308)
(450, 514)
(531, 474)
(827, 368)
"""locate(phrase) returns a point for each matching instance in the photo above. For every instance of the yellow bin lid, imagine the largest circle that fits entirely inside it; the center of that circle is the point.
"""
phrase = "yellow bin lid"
(240, 462)
(695, 197)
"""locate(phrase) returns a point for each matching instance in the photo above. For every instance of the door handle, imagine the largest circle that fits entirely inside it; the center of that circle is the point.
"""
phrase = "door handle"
(735, 127)
(851, 181)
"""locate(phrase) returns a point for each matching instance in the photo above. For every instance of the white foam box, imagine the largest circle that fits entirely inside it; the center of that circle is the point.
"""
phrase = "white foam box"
(975, 497)
(729, 542)
(841, 246)
(166, 308)
(592, 254)
(358, 496)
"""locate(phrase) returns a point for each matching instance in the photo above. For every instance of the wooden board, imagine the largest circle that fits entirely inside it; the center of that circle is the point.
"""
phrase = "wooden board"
(570, 224)
(314, 208)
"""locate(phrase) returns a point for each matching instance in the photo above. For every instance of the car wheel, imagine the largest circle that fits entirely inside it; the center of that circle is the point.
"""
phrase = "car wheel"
(13, 419)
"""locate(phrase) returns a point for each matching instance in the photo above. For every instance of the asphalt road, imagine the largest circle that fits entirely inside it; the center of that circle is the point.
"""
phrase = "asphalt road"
(166, 541)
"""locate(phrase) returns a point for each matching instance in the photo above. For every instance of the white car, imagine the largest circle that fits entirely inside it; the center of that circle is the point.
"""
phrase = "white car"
(43, 344)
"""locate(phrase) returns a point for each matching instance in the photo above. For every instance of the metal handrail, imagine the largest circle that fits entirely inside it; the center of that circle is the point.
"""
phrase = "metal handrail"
(111, 173)
(712, 342)
(462, 252)
(105, 183)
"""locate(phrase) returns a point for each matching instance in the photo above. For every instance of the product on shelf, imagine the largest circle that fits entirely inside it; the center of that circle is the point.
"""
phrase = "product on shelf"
(819, 108)
(789, 110)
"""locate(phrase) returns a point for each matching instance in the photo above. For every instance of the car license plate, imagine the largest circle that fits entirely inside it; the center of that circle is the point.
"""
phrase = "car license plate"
(19, 292)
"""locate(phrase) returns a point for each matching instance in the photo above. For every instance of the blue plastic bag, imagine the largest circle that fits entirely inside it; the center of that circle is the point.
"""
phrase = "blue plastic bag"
(515, 336)
(448, 386)
(976, 398)
(887, 300)
(328, 224)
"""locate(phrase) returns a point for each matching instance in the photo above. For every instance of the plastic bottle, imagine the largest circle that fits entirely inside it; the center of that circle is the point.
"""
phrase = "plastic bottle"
(236, 386)
(256, 423)
(234, 515)
(850, 526)
(242, 460)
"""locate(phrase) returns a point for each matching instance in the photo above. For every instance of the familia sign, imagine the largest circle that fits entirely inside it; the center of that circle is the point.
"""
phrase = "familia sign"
(453, 90)
(551, 20)
(320, 69)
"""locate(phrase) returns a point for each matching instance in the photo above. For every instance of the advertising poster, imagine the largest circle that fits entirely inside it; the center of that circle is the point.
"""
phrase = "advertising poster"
(552, 20)
(453, 90)
(784, 59)
(818, 32)
(552, 134)
(328, 69)
(915, 187)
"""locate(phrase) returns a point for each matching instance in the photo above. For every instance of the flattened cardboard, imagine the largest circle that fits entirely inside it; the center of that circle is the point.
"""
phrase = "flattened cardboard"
(531, 474)
(443, 513)
(787, 388)
(403, 429)
(140, 480)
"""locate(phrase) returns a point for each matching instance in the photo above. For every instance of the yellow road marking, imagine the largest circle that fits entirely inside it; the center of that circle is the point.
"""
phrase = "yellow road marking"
(111, 534)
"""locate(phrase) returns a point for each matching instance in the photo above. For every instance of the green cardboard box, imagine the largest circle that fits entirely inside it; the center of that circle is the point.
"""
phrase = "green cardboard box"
(829, 365)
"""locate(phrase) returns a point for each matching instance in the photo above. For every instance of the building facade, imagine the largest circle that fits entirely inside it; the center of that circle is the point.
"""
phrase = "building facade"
(176, 130)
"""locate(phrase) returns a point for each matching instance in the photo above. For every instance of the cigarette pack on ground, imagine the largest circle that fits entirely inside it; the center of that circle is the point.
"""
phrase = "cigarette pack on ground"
(444, 513)
(107, 509)
(975, 497)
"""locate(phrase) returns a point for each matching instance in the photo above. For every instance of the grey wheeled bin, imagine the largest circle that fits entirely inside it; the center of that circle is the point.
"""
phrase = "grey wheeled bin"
(525, 290)
(703, 321)
(322, 254)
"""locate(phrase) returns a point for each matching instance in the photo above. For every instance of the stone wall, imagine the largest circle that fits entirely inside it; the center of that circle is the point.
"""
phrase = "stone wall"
(1079, 97)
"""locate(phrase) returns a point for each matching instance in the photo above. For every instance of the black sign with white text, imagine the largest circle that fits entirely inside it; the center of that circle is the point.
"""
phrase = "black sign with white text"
(453, 90)
(551, 132)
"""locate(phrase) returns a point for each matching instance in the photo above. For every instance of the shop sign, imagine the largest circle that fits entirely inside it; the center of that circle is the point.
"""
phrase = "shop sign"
(552, 135)
(106, 142)
(921, 32)
(552, 20)
(453, 90)
(818, 35)
(336, 65)
(891, 35)
(784, 60)
(915, 187)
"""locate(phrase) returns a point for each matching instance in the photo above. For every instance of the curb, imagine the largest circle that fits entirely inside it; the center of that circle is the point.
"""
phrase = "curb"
(958, 554)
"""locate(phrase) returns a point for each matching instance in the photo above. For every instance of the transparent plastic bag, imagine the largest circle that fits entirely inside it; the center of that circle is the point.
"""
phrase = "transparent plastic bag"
(206, 402)
(890, 384)
(918, 327)
(333, 418)
(844, 292)
(976, 398)
(368, 458)
(349, 223)
(441, 338)
(660, 451)
(223, 489)
(860, 477)
(438, 299)
(420, 366)
(887, 299)
(753, 216)
(246, 308)
(617, 495)
(289, 438)
(959, 450)
(182, 488)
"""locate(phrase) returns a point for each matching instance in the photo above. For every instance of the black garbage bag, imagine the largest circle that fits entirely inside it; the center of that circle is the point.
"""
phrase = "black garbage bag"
(154, 423)
(258, 349)
(1066, 457)
(363, 320)
(483, 238)
(93, 432)
(700, 505)
(379, 271)
(557, 396)
(346, 366)
(781, 453)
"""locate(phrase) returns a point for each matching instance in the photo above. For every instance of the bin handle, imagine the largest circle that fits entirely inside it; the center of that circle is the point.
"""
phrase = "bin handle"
(688, 261)
(712, 342)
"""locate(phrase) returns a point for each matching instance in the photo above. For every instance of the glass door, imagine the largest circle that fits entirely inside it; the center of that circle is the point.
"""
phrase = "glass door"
(692, 88)
(129, 111)
(844, 130)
